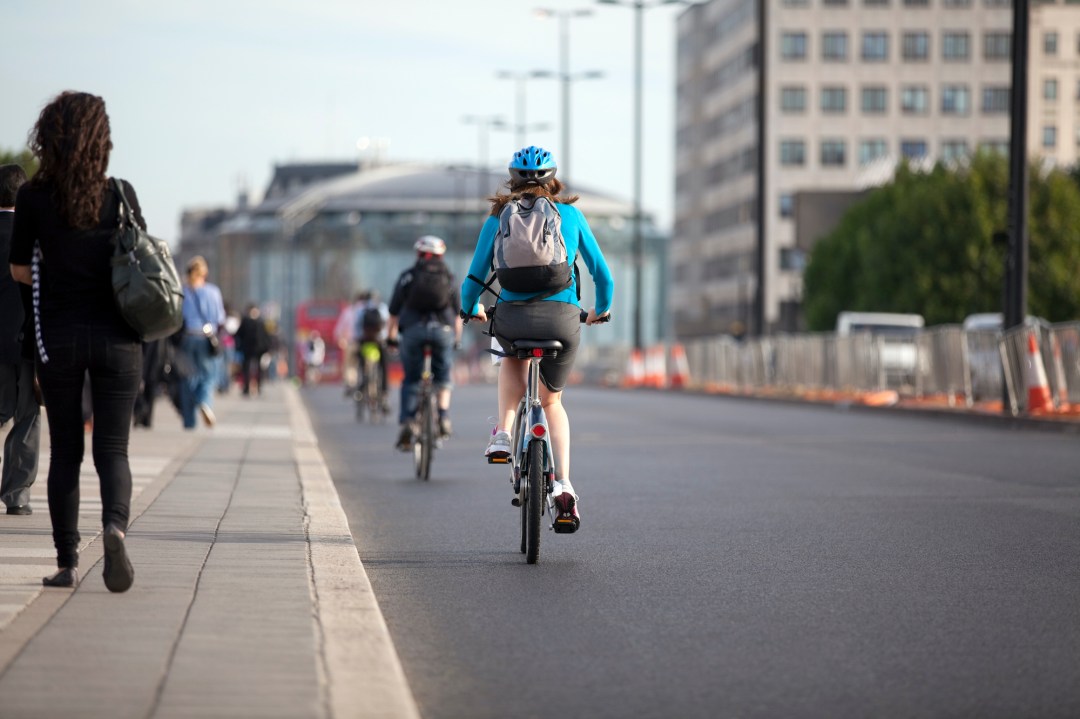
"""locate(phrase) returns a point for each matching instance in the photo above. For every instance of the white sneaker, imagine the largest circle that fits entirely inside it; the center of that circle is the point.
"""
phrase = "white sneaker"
(499, 446)
(207, 415)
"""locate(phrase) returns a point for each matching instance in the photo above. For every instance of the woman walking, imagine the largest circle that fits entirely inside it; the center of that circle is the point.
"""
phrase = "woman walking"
(62, 243)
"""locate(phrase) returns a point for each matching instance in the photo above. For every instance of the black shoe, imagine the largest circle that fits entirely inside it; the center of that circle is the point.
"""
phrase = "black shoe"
(24, 509)
(119, 573)
(66, 577)
(405, 437)
(444, 427)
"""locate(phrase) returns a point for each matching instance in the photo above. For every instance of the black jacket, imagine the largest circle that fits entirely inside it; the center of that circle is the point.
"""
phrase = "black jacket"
(16, 311)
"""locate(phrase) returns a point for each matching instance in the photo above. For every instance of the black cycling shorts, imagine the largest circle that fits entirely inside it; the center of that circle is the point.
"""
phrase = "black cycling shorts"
(542, 320)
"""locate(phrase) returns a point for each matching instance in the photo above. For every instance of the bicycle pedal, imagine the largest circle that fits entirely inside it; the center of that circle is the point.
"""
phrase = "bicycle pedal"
(516, 502)
(494, 459)
(566, 524)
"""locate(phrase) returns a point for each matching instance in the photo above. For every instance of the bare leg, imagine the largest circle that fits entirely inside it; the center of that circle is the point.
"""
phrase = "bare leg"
(559, 426)
(443, 396)
(511, 390)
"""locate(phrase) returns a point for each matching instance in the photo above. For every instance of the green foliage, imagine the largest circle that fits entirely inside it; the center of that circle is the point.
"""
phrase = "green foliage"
(23, 157)
(924, 243)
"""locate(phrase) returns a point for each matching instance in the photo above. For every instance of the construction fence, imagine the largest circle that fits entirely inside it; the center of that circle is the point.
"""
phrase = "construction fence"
(1033, 368)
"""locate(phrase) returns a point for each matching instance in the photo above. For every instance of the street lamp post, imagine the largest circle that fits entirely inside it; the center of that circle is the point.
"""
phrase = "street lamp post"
(519, 79)
(485, 124)
(639, 7)
(566, 76)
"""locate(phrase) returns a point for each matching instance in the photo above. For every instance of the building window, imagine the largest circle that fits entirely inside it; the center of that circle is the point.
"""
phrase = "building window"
(833, 100)
(793, 46)
(914, 100)
(997, 3)
(793, 259)
(916, 47)
(834, 46)
(913, 149)
(874, 100)
(875, 47)
(834, 2)
(793, 99)
(1049, 139)
(833, 153)
(995, 99)
(787, 204)
(1050, 89)
(956, 3)
(870, 150)
(792, 152)
(1000, 147)
(955, 100)
(876, 3)
(916, 3)
(997, 46)
(952, 150)
(956, 46)
(1050, 43)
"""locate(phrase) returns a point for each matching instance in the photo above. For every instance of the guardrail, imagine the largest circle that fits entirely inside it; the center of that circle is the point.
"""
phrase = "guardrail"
(1031, 369)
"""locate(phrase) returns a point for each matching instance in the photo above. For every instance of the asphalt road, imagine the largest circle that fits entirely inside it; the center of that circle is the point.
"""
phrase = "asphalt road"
(736, 559)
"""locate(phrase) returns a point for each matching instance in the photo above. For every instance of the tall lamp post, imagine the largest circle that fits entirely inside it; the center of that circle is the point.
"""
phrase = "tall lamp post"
(566, 76)
(639, 7)
(484, 124)
(520, 79)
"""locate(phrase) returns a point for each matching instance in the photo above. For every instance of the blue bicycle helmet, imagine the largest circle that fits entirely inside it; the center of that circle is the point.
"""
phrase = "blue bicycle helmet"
(532, 165)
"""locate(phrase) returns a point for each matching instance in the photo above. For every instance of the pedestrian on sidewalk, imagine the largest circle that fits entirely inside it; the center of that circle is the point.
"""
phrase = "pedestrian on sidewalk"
(62, 244)
(252, 342)
(204, 313)
(18, 399)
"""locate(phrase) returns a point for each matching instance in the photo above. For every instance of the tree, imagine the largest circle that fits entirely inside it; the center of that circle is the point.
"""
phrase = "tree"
(924, 243)
(23, 157)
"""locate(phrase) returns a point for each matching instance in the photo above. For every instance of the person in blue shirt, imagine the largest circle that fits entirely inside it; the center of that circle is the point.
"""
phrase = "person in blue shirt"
(539, 315)
(204, 313)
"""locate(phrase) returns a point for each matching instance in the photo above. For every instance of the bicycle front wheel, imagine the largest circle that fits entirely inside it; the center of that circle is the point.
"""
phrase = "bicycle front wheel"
(534, 502)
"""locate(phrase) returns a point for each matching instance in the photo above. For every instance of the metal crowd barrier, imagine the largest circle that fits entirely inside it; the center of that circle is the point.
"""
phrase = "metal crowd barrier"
(941, 364)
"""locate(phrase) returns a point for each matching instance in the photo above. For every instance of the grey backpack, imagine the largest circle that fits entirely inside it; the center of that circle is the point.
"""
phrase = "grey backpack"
(530, 253)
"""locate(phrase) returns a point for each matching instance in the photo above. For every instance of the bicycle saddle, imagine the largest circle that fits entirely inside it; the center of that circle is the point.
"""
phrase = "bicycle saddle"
(536, 345)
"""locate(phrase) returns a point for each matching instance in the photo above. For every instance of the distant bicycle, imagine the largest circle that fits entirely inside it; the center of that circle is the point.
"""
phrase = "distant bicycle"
(426, 437)
(370, 395)
(532, 464)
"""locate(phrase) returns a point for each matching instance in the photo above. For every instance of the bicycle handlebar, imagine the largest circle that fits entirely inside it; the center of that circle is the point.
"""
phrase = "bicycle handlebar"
(584, 317)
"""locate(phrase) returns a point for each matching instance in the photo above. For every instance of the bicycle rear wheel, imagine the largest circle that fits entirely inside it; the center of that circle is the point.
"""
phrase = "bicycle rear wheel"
(534, 501)
(425, 446)
(374, 395)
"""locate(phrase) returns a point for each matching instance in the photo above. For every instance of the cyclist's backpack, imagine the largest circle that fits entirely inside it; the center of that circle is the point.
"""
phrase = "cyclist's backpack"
(530, 253)
(371, 322)
(430, 288)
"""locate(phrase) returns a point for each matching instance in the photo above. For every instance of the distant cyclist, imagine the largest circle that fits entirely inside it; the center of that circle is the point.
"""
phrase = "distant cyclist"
(423, 309)
(533, 219)
(371, 318)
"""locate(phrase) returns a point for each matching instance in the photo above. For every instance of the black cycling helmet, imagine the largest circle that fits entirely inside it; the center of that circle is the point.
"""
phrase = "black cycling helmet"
(532, 165)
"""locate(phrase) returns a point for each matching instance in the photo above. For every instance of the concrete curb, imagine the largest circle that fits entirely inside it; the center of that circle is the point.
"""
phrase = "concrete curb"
(358, 662)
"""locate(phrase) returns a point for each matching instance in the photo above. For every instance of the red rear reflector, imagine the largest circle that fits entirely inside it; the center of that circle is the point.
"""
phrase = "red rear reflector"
(538, 430)
(538, 352)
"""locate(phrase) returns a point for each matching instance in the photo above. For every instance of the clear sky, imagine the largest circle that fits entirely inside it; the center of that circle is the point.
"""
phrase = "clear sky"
(205, 96)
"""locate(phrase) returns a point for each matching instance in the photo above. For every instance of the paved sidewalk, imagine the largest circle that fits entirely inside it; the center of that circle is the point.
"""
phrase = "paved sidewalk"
(249, 598)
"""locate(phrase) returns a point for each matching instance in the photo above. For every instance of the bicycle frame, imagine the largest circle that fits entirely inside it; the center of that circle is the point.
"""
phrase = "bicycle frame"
(530, 423)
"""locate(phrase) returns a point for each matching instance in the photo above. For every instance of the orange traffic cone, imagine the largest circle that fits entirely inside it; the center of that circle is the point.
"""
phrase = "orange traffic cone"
(680, 368)
(655, 367)
(635, 370)
(1038, 388)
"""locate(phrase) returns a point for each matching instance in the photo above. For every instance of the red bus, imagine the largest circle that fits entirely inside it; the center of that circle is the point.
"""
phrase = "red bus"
(317, 316)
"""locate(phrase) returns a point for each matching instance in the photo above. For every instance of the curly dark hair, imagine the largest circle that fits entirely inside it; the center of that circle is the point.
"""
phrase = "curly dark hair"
(72, 141)
(530, 189)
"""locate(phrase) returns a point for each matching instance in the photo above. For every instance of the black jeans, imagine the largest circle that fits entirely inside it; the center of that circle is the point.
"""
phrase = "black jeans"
(114, 364)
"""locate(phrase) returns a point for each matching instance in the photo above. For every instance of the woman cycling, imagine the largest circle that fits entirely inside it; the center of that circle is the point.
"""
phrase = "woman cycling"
(550, 315)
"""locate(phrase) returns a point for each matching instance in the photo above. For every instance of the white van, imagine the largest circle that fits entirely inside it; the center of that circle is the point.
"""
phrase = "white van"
(894, 335)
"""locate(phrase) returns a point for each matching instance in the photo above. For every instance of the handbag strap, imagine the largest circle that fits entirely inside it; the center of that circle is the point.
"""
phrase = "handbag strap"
(125, 215)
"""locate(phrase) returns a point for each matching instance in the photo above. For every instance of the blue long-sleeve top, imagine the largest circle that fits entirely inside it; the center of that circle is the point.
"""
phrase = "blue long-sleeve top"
(579, 241)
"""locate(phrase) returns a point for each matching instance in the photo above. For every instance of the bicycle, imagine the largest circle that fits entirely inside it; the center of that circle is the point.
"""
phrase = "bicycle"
(426, 437)
(370, 396)
(531, 460)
